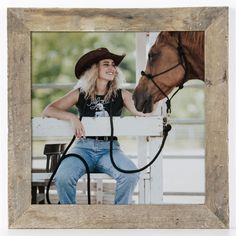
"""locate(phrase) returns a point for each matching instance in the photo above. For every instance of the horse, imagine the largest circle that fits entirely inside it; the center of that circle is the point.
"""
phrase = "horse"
(174, 58)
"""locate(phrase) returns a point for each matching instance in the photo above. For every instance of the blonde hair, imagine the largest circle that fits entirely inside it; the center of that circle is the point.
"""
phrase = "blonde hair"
(87, 83)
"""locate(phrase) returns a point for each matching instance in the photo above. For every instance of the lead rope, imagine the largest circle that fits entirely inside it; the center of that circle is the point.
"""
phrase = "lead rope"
(166, 125)
(64, 156)
(166, 129)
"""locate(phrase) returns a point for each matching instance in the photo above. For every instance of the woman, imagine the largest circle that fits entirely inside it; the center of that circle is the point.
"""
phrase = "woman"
(99, 83)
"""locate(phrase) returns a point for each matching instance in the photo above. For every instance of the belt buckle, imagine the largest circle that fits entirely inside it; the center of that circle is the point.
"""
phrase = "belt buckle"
(105, 138)
(97, 138)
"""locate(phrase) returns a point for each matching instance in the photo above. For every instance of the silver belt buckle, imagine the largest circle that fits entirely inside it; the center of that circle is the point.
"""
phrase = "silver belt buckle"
(105, 138)
(96, 138)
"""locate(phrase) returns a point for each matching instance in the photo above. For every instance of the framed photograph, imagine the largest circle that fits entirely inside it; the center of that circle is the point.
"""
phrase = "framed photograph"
(30, 31)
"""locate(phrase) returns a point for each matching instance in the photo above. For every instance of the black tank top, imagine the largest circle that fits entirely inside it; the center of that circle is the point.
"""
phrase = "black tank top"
(99, 107)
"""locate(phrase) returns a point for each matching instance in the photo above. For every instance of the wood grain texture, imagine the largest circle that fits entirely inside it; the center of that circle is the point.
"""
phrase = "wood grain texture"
(111, 216)
(214, 213)
(119, 19)
(19, 93)
(216, 111)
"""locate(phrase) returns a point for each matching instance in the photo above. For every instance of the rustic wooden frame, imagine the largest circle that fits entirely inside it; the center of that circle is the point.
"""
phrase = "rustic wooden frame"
(214, 213)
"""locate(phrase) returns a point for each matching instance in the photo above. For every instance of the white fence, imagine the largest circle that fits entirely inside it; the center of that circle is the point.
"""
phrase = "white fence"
(150, 189)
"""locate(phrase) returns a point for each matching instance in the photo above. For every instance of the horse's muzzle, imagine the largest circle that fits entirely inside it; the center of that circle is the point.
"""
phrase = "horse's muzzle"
(142, 102)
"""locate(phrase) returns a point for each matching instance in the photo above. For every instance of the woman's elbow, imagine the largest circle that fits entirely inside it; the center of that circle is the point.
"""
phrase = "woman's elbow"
(46, 111)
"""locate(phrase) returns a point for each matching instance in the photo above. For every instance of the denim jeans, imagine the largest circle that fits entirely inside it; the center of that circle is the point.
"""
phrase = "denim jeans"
(96, 153)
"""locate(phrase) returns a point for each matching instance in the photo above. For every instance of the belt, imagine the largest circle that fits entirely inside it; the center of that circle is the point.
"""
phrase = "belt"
(102, 138)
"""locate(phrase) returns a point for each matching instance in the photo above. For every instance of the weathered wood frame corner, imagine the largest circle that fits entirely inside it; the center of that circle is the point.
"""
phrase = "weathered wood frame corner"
(214, 213)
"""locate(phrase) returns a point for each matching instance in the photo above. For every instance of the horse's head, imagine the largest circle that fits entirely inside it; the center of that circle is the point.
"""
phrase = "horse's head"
(166, 68)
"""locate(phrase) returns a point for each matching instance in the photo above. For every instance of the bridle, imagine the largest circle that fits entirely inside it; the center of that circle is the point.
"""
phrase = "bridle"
(182, 62)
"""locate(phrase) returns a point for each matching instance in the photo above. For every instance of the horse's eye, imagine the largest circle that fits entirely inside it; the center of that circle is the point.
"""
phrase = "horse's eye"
(153, 56)
(150, 57)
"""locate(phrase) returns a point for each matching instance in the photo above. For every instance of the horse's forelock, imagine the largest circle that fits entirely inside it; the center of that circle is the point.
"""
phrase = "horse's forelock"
(192, 39)
(166, 36)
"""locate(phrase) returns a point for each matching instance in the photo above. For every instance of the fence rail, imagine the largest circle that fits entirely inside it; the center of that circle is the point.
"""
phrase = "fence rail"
(129, 86)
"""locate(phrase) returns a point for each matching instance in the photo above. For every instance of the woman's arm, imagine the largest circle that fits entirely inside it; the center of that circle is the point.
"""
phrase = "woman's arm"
(58, 109)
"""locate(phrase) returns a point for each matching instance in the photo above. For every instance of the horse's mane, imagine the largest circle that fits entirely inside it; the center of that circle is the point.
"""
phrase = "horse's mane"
(194, 40)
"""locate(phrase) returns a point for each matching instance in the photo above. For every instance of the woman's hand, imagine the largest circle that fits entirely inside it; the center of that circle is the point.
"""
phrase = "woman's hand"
(144, 114)
(58, 110)
(78, 127)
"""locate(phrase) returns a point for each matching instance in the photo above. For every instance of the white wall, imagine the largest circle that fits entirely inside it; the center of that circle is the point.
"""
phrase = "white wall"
(113, 4)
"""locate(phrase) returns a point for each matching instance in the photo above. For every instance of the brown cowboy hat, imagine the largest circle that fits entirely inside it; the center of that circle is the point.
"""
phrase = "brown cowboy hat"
(92, 57)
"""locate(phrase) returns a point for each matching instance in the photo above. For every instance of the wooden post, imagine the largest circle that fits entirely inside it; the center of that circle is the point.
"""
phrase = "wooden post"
(142, 160)
(156, 170)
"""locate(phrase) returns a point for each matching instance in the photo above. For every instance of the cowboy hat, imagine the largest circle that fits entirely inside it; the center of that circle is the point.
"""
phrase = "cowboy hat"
(92, 57)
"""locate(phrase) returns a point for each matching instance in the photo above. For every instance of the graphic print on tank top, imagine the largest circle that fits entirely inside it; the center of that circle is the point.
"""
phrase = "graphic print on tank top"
(98, 105)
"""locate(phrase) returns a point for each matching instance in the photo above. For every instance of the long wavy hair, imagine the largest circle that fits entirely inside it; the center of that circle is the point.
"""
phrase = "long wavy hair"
(87, 83)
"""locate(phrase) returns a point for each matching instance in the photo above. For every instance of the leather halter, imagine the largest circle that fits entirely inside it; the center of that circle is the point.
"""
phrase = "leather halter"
(182, 62)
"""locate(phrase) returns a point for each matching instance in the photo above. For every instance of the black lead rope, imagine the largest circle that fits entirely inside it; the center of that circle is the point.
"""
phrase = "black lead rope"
(166, 129)
(58, 164)
(64, 156)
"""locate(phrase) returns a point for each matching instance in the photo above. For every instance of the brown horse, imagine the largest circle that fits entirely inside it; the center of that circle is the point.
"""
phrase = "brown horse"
(174, 58)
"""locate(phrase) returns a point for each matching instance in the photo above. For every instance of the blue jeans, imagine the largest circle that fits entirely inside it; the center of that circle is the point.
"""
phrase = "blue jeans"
(96, 153)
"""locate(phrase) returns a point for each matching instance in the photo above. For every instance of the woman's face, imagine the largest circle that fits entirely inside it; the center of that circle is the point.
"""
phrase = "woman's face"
(107, 69)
